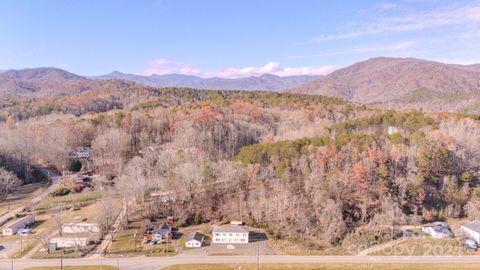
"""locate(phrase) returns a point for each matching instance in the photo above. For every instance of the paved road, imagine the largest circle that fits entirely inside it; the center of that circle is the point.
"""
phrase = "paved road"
(55, 181)
(150, 263)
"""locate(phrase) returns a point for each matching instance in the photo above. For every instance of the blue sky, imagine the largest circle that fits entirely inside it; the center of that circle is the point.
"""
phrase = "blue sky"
(232, 38)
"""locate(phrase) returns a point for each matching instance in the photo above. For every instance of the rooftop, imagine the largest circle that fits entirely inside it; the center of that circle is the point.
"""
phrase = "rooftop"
(195, 236)
(20, 220)
(474, 225)
(162, 193)
(80, 224)
(230, 229)
(63, 238)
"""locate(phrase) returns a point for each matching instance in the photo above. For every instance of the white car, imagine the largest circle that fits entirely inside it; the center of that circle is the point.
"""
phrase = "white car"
(470, 244)
(24, 232)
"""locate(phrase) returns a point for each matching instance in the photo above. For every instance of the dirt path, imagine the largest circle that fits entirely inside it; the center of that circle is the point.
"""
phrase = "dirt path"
(382, 246)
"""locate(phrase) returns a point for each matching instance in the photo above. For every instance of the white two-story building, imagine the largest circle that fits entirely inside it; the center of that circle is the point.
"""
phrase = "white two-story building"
(230, 234)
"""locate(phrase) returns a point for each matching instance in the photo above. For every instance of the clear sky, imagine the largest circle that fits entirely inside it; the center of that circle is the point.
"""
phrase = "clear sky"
(232, 38)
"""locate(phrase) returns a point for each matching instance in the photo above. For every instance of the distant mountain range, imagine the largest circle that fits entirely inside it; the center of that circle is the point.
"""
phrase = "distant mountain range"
(53, 82)
(403, 83)
(386, 82)
(267, 82)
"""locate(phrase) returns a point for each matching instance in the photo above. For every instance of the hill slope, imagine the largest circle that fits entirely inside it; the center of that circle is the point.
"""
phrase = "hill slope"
(264, 82)
(45, 82)
(403, 83)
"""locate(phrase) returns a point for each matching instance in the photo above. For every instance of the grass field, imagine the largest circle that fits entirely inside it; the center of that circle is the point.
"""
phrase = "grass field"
(425, 246)
(126, 242)
(69, 199)
(288, 247)
(86, 267)
(325, 267)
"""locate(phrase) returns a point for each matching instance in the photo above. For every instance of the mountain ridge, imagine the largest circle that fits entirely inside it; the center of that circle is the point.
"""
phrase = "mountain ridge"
(388, 82)
(51, 82)
(268, 82)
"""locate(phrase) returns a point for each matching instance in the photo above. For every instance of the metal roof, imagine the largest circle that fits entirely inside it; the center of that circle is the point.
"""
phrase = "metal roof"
(18, 221)
(196, 236)
(230, 229)
(474, 225)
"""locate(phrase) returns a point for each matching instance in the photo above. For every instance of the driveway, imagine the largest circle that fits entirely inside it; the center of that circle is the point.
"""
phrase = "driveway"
(10, 249)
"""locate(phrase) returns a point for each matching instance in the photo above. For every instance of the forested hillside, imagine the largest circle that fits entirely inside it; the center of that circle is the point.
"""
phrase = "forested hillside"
(403, 83)
(300, 165)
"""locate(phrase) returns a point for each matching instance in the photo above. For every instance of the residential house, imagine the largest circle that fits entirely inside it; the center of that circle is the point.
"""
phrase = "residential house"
(438, 230)
(67, 242)
(472, 230)
(162, 233)
(230, 234)
(81, 152)
(195, 240)
(18, 224)
(80, 228)
(163, 196)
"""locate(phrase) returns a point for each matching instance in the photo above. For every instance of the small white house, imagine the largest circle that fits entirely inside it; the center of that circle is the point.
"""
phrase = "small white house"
(230, 234)
(68, 242)
(16, 225)
(438, 230)
(195, 240)
(70, 228)
(472, 230)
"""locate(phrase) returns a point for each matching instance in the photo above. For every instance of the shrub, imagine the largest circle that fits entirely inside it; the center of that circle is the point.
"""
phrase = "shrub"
(60, 191)
(75, 165)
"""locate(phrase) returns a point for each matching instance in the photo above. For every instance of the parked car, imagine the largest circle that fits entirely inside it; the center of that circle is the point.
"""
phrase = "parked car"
(470, 245)
(2, 248)
(24, 232)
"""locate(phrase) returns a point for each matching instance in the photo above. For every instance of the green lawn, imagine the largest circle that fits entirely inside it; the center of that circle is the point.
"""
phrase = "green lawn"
(86, 267)
(73, 198)
(324, 267)
(124, 241)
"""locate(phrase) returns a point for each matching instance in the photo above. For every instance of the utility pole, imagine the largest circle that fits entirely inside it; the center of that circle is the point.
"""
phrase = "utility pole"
(61, 259)
(258, 255)
(134, 241)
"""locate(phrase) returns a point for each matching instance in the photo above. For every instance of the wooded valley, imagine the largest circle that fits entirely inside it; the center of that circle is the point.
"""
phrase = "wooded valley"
(311, 168)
